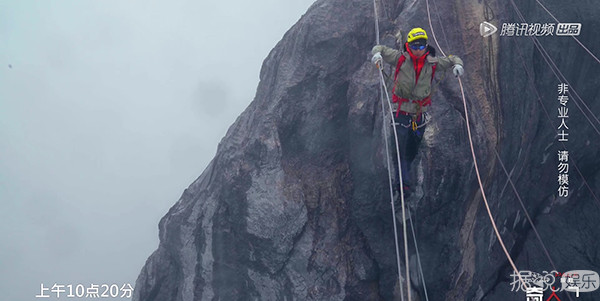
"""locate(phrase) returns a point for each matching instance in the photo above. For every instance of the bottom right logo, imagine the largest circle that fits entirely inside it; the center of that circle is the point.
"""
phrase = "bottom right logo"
(535, 284)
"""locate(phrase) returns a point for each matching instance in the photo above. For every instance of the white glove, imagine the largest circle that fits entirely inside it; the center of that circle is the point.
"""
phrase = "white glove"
(376, 59)
(377, 48)
(458, 70)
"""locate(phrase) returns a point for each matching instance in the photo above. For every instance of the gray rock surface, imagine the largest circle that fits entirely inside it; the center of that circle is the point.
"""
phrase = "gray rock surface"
(295, 204)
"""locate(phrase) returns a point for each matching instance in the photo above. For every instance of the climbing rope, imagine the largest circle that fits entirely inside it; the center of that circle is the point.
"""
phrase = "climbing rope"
(533, 227)
(539, 98)
(532, 85)
(383, 89)
(487, 206)
(509, 180)
(412, 228)
(528, 217)
(401, 190)
(559, 75)
(441, 23)
(387, 152)
(577, 40)
(475, 162)
(545, 111)
(431, 26)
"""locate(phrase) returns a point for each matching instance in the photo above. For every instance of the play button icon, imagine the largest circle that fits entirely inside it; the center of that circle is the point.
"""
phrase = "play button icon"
(486, 29)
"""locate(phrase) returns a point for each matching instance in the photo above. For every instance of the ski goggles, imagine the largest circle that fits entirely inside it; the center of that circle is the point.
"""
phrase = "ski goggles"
(417, 46)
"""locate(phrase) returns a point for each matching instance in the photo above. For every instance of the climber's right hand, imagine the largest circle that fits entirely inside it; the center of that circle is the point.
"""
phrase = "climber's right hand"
(376, 49)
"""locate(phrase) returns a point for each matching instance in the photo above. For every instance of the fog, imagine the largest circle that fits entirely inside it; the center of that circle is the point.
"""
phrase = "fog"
(108, 111)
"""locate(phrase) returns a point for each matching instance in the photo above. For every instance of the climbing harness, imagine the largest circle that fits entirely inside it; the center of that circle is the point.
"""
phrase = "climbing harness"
(414, 123)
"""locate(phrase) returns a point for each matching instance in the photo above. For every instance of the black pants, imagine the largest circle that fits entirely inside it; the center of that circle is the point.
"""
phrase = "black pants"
(408, 142)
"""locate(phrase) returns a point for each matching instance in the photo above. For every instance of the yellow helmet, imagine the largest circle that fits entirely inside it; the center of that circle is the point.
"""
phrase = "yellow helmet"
(415, 34)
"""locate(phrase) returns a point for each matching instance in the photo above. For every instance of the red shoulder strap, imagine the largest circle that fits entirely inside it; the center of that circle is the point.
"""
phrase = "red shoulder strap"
(400, 62)
(433, 71)
(395, 97)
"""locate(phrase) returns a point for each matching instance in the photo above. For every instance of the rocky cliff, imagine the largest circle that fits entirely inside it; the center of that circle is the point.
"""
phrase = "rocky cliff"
(295, 204)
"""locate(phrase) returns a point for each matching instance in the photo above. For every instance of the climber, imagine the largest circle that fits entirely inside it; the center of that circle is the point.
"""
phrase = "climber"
(415, 69)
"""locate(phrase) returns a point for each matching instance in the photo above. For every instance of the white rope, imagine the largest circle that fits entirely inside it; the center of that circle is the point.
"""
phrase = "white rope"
(581, 44)
(487, 206)
(412, 228)
(403, 206)
(376, 26)
(401, 190)
(559, 75)
(383, 87)
(431, 27)
(387, 152)
(539, 98)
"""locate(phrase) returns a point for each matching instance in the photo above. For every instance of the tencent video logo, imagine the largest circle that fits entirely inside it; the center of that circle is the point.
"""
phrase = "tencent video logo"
(487, 29)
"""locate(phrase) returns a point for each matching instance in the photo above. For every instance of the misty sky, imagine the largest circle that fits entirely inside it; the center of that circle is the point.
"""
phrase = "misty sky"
(108, 111)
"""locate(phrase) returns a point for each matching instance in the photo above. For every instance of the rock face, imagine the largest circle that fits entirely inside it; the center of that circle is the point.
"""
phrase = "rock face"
(295, 205)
